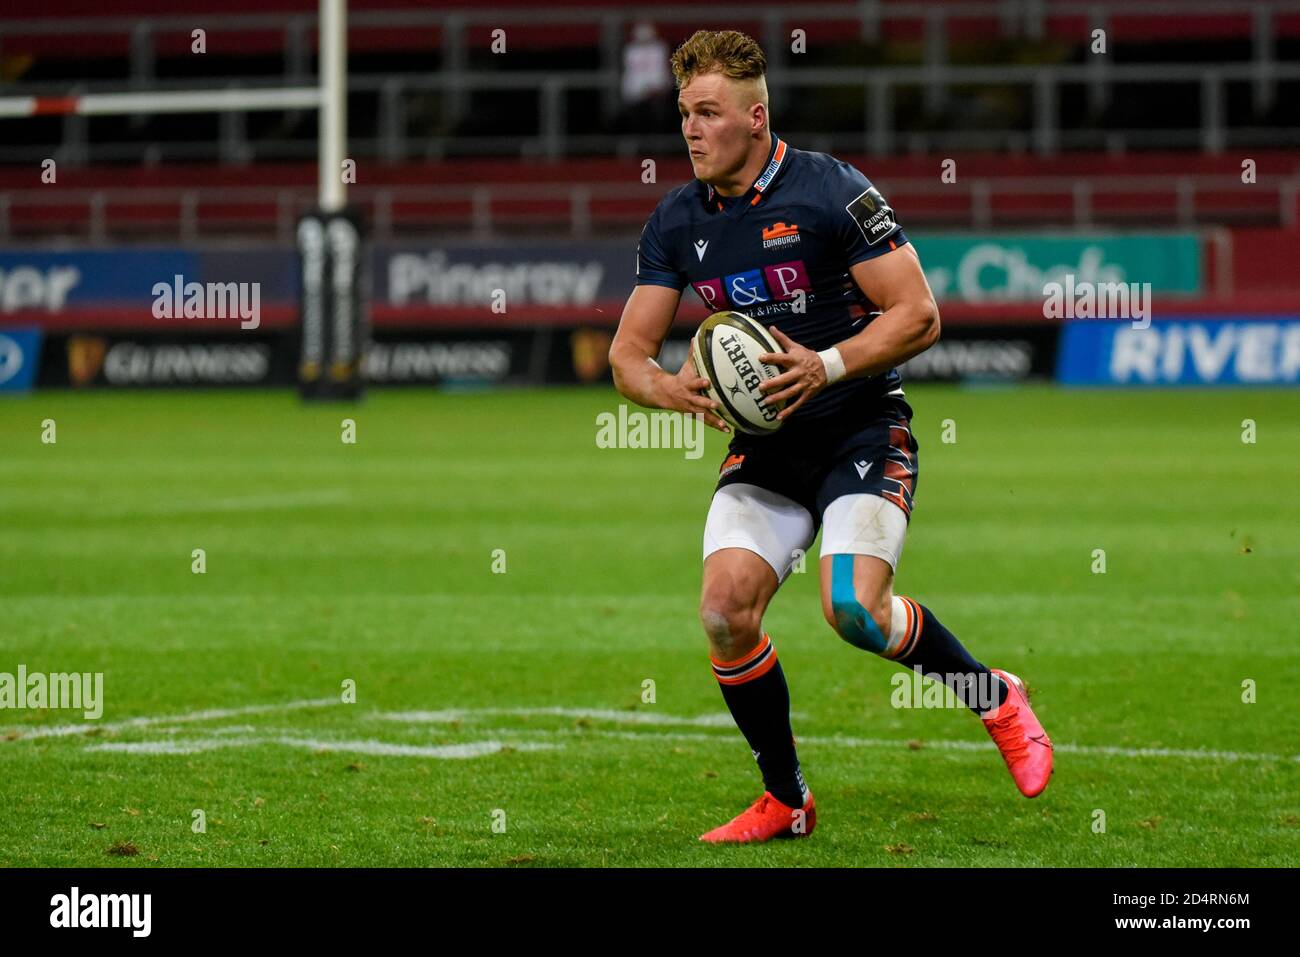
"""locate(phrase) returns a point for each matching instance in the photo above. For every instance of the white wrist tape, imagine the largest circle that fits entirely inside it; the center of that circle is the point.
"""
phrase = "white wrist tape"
(834, 364)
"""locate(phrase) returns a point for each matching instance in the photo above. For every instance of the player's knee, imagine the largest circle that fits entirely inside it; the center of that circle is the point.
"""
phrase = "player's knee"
(862, 620)
(865, 627)
(733, 627)
(881, 613)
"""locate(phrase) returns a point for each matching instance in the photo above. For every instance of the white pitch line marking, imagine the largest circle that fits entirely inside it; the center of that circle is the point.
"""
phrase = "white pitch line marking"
(471, 749)
(210, 714)
(414, 719)
(725, 721)
(974, 746)
(594, 714)
(480, 748)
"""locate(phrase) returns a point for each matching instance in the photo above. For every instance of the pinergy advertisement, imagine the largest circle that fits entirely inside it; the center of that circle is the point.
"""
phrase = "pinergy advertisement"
(960, 267)
(437, 290)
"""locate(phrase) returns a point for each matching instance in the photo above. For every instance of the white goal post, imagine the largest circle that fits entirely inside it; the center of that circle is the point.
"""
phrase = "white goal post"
(329, 99)
(332, 324)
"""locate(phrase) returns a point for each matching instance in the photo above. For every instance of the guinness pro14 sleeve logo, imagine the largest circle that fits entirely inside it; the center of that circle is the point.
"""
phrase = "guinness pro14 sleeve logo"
(873, 215)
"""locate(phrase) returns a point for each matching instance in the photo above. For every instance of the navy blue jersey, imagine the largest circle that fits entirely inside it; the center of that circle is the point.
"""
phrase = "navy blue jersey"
(781, 254)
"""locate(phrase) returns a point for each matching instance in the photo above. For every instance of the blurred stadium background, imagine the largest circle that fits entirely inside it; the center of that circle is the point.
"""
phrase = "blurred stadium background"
(506, 147)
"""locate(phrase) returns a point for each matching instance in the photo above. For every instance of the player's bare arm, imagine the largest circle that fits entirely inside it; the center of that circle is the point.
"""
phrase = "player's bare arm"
(647, 317)
(908, 325)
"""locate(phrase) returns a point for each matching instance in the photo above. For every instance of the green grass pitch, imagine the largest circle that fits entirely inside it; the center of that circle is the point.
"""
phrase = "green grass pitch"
(499, 717)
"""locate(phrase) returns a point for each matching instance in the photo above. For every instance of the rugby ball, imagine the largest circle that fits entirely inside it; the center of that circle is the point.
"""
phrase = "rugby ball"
(725, 351)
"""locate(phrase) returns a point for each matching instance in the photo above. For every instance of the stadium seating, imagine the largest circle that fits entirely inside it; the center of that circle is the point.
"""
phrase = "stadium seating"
(599, 195)
(436, 159)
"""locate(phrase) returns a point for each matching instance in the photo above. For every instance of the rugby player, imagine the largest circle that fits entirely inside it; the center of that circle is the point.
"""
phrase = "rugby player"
(805, 244)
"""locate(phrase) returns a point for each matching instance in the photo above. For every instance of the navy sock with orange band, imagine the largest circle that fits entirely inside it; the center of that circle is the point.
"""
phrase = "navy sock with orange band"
(755, 690)
(933, 648)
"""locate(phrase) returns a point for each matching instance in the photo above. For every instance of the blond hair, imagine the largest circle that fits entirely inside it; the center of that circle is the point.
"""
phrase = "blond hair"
(729, 52)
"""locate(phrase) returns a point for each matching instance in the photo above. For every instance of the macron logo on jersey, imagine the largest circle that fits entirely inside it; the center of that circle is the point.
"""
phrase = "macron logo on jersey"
(700, 246)
(755, 286)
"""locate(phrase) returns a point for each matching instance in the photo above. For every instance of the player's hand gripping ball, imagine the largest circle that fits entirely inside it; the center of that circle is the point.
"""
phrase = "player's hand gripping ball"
(725, 351)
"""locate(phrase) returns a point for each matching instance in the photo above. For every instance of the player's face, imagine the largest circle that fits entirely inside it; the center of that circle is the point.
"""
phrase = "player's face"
(718, 123)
